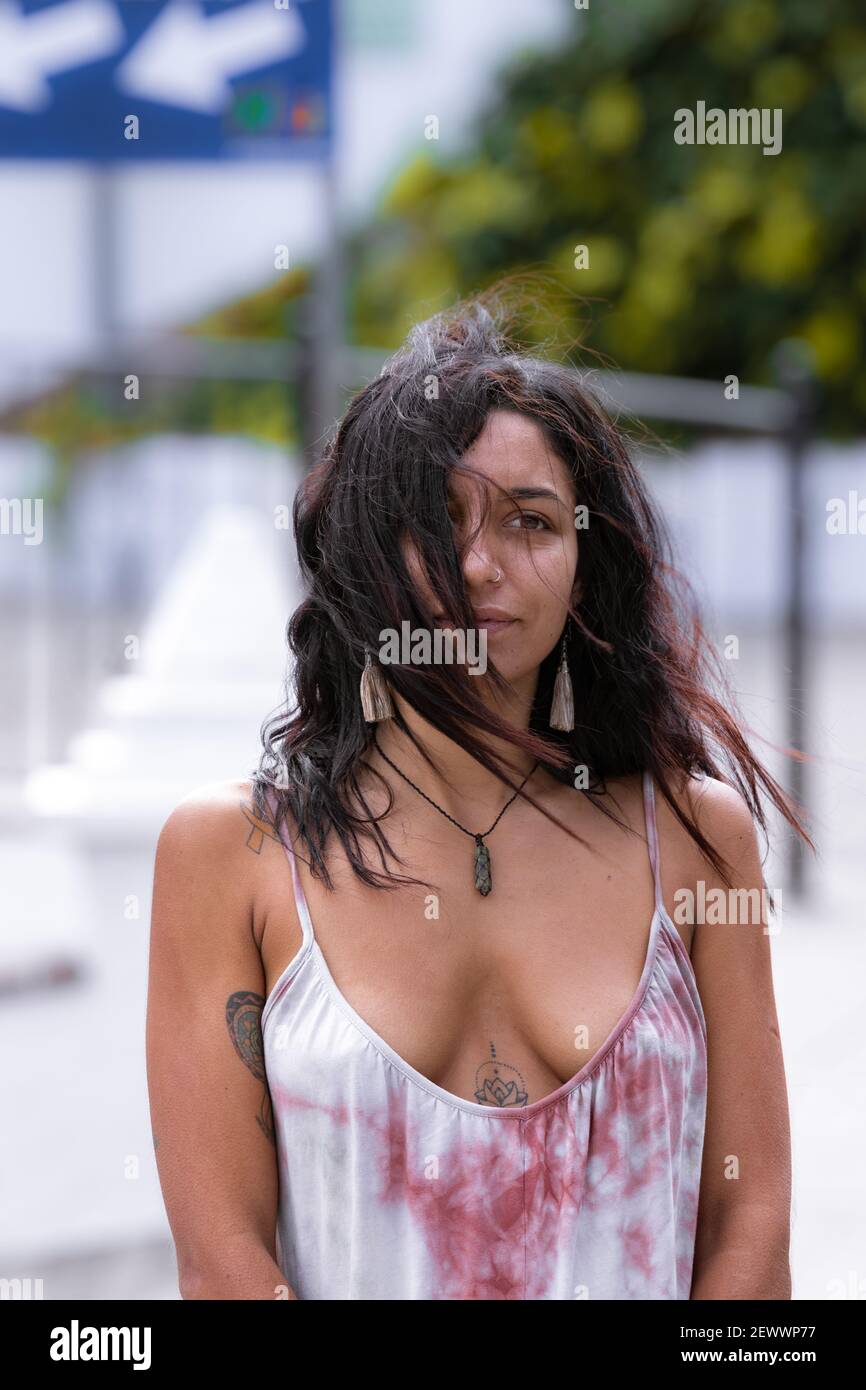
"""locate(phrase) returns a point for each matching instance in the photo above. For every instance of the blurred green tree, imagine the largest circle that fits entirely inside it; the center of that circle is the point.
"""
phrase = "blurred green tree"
(699, 258)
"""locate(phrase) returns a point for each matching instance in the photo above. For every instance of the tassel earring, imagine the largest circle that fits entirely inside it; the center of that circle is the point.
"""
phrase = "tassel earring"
(375, 696)
(562, 707)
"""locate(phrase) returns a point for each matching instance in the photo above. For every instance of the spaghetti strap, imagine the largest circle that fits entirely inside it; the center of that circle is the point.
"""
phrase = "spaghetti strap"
(301, 907)
(649, 806)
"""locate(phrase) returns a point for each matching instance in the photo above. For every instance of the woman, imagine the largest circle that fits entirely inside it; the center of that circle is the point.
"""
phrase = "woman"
(522, 1067)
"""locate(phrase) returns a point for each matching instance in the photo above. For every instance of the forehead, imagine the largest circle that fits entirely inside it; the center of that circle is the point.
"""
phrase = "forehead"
(513, 451)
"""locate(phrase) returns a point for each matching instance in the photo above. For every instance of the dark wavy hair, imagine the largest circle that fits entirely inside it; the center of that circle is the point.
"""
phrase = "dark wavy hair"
(642, 668)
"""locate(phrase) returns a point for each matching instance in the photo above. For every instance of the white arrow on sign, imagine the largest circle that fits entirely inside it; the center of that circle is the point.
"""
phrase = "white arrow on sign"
(185, 59)
(65, 36)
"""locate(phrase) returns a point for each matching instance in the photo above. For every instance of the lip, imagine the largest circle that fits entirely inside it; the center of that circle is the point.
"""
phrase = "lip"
(493, 626)
(493, 617)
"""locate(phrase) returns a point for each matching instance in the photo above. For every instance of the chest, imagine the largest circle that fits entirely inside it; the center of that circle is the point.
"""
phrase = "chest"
(498, 997)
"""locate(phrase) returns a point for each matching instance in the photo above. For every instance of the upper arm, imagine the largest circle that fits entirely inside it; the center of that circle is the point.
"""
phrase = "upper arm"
(209, 1100)
(745, 1178)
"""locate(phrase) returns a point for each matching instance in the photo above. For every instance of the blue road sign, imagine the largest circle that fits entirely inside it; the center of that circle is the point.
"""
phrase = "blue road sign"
(124, 80)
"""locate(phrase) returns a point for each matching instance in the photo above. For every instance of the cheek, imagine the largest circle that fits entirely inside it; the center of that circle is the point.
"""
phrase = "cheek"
(546, 579)
(547, 574)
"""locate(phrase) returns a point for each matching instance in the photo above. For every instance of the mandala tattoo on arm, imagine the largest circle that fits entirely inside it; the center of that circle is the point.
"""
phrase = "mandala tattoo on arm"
(244, 1022)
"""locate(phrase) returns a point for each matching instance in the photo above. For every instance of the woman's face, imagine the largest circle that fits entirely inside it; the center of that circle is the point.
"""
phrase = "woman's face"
(528, 536)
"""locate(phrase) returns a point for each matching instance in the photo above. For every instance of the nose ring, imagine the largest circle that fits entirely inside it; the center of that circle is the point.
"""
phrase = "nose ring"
(498, 576)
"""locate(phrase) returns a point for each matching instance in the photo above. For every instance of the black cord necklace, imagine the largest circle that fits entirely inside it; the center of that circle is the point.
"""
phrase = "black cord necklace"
(483, 870)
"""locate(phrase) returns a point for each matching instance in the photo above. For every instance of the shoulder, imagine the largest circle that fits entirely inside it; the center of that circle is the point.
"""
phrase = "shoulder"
(208, 815)
(217, 856)
(204, 883)
(212, 830)
(717, 804)
(719, 810)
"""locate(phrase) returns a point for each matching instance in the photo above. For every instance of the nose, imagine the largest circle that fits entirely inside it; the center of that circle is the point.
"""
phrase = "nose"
(480, 565)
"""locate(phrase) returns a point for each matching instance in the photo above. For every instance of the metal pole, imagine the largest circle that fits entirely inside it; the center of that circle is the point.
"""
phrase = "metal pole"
(104, 252)
(326, 321)
(320, 339)
(792, 368)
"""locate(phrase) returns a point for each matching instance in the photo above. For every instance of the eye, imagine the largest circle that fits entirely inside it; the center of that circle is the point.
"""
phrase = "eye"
(544, 524)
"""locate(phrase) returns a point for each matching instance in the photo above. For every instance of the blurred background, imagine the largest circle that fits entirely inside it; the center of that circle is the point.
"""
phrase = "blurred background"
(218, 218)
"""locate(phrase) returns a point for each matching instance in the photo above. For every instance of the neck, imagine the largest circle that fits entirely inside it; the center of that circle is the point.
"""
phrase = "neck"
(459, 784)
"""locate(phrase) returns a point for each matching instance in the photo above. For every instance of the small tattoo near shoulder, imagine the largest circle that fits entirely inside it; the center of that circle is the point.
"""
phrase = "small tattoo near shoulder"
(244, 1022)
(498, 1083)
(258, 828)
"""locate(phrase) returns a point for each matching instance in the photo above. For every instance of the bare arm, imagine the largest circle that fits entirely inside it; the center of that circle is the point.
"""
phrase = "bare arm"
(743, 1236)
(209, 1101)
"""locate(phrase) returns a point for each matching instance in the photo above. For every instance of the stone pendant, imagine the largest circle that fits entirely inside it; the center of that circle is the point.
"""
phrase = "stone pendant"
(483, 878)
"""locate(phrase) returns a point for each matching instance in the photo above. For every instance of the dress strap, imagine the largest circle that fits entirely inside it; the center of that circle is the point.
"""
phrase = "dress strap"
(649, 805)
(301, 906)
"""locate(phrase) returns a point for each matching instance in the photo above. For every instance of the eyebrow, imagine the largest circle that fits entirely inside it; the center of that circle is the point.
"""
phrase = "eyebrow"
(528, 493)
(525, 493)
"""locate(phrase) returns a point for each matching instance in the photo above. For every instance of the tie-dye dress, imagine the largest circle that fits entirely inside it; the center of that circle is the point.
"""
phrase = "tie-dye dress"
(390, 1187)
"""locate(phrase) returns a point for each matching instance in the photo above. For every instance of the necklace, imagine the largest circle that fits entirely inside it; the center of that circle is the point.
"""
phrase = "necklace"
(483, 870)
